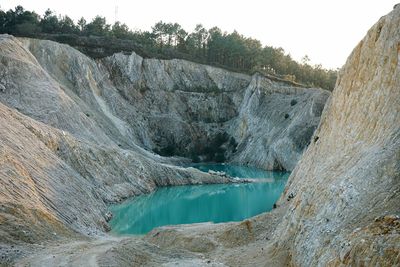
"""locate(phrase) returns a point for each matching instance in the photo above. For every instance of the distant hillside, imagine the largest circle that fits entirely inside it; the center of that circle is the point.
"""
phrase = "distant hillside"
(231, 51)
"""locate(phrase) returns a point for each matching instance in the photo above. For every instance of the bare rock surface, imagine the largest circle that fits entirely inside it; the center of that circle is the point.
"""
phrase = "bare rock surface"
(346, 203)
(208, 113)
(78, 133)
(60, 167)
(179, 108)
(341, 206)
(50, 179)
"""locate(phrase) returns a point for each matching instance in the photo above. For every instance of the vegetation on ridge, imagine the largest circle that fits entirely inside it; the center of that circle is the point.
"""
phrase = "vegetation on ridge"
(169, 40)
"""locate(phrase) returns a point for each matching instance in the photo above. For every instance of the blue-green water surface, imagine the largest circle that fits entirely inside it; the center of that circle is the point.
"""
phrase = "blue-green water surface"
(200, 203)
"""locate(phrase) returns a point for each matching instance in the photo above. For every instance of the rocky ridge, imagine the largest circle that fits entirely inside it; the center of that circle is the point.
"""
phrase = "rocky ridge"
(77, 134)
(341, 204)
(346, 203)
(175, 107)
(340, 207)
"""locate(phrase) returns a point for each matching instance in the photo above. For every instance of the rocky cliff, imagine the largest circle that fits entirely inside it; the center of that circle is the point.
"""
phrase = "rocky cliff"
(78, 133)
(344, 195)
(63, 159)
(341, 206)
(175, 107)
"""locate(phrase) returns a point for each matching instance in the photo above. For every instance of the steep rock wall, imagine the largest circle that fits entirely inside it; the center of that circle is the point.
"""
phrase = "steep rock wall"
(214, 114)
(60, 167)
(77, 134)
(341, 204)
(175, 107)
(344, 195)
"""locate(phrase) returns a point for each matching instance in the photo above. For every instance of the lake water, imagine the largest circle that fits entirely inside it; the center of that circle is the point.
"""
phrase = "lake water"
(200, 203)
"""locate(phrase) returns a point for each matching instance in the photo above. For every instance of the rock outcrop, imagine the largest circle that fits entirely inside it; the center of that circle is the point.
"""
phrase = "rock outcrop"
(175, 107)
(65, 159)
(77, 134)
(346, 188)
(50, 179)
(341, 206)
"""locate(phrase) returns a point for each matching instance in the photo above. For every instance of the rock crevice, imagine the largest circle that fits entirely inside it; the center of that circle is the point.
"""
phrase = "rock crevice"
(77, 133)
(341, 204)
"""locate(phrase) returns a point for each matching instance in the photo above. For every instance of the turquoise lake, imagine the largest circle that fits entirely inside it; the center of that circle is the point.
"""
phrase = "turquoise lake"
(200, 203)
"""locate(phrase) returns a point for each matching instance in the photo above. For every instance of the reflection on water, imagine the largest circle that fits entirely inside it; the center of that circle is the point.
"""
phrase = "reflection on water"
(200, 203)
(241, 171)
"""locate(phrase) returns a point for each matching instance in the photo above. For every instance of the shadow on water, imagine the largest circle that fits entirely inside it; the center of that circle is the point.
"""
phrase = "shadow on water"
(200, 203)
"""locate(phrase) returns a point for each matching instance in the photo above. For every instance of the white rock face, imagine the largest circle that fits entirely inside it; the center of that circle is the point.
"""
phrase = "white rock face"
(346, 188)
(275, 124)
(341, 206)
(185, 105)
(172, 107)
(76, 134)
(69, 155)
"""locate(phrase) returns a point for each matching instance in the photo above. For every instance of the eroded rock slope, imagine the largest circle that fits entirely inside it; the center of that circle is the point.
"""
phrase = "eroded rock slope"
(175, 107)
(62, 159)
(77, 134)
(341, 206)
(346, 189)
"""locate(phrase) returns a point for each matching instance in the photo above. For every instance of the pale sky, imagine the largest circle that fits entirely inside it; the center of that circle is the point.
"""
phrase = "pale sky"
(326, 31)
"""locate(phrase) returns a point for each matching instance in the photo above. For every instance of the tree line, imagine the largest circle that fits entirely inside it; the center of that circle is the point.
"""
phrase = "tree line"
(169, 40)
